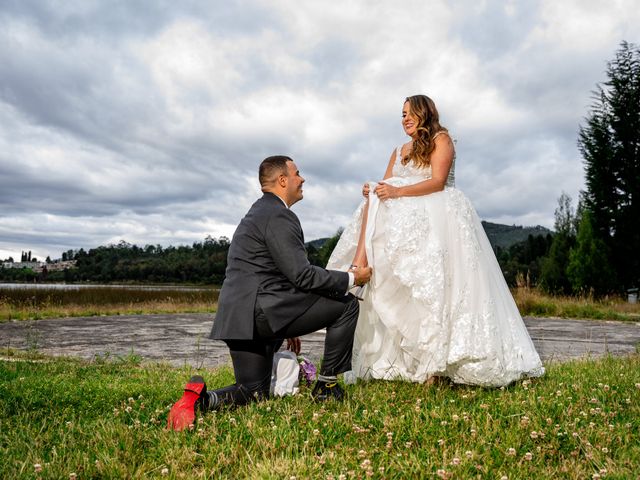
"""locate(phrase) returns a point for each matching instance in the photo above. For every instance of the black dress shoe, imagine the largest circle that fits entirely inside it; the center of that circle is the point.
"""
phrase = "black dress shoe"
(323, 391)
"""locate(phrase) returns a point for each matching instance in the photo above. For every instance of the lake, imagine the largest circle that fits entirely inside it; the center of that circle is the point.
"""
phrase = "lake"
(73, 286)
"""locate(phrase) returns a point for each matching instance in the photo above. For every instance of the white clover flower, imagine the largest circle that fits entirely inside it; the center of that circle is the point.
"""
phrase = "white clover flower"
(528, 456)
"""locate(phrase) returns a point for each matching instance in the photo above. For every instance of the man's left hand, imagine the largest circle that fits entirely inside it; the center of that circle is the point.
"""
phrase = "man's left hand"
(294, 344)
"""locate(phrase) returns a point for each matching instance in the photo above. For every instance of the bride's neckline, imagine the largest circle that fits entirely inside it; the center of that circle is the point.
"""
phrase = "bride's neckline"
(409, 145)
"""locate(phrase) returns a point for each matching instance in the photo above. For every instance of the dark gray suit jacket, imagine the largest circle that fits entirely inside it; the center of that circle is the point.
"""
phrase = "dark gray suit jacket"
(267, 263)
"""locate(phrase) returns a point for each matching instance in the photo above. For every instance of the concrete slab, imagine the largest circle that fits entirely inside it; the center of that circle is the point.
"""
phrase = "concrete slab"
(181, 339)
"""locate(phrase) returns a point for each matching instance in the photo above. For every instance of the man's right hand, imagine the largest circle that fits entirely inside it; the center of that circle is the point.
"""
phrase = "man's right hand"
(361, 275)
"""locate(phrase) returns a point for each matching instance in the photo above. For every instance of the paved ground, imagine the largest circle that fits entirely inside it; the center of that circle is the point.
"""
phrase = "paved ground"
(182, 339)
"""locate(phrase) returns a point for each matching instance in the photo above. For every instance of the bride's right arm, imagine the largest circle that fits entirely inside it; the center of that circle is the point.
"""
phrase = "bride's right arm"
(388, 173)
(392, 160)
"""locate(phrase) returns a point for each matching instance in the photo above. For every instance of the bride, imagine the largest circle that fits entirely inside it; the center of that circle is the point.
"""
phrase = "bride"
(437, 304)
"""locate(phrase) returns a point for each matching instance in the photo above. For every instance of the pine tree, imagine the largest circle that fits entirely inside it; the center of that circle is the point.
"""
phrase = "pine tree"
(589, 269)
(610, 145)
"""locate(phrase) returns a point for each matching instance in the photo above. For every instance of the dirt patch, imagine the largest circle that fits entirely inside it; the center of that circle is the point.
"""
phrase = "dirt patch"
(182, 339)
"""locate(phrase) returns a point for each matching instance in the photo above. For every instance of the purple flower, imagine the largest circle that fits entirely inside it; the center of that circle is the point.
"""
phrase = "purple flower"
(307, 370)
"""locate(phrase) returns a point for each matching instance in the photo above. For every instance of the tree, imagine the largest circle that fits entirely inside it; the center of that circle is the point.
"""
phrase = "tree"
(589, 269)
(564, 214)
(610, 145)
(325, 251)
(553, 274)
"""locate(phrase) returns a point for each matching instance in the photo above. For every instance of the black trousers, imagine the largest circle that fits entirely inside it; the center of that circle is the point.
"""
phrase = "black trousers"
(253, 359)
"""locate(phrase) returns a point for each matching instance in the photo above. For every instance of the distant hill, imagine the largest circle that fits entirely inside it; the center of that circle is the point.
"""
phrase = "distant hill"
(499, 235)
(317, 243)
(506, 235)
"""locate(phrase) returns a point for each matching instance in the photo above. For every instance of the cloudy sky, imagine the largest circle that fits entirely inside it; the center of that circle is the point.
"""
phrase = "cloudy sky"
(146, 120)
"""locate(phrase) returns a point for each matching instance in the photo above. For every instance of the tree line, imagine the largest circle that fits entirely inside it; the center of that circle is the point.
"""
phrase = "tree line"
(202, 262)
(596, 249)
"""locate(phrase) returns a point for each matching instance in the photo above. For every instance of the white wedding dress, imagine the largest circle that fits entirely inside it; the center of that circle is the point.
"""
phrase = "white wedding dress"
(437, 303)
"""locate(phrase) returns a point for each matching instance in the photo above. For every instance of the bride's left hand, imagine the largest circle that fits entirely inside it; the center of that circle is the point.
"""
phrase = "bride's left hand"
(386, 191)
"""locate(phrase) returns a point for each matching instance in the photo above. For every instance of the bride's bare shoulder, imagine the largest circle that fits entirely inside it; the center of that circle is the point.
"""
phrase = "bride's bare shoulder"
(405, 149)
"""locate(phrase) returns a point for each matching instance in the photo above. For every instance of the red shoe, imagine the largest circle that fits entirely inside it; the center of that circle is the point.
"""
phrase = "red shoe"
(183, 413)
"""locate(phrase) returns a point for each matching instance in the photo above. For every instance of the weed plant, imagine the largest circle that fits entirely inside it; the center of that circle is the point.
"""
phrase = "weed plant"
(63, 418)
(35, 303)
(534, 303)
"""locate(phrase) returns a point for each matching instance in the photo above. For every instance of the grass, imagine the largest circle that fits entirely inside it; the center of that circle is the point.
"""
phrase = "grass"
(38, 303)
(106, 420)
(42, 302)
(534, 303)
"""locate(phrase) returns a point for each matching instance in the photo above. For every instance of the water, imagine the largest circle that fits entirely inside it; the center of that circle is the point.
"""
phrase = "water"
(72, 286)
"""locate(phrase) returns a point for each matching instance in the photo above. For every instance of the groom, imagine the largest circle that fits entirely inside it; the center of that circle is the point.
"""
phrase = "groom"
(270, 293)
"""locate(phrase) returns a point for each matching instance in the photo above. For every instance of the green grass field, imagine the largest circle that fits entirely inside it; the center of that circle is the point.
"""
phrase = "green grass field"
(62, 417)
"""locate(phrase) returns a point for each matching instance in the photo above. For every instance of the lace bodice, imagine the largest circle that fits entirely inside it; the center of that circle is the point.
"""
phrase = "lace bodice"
(410, 170)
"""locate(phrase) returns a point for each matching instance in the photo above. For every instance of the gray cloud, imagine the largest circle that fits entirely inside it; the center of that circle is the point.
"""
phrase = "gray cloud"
(146, 121)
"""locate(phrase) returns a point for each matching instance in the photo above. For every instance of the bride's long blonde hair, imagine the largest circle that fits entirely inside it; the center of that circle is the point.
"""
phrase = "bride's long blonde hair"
(426, 113)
